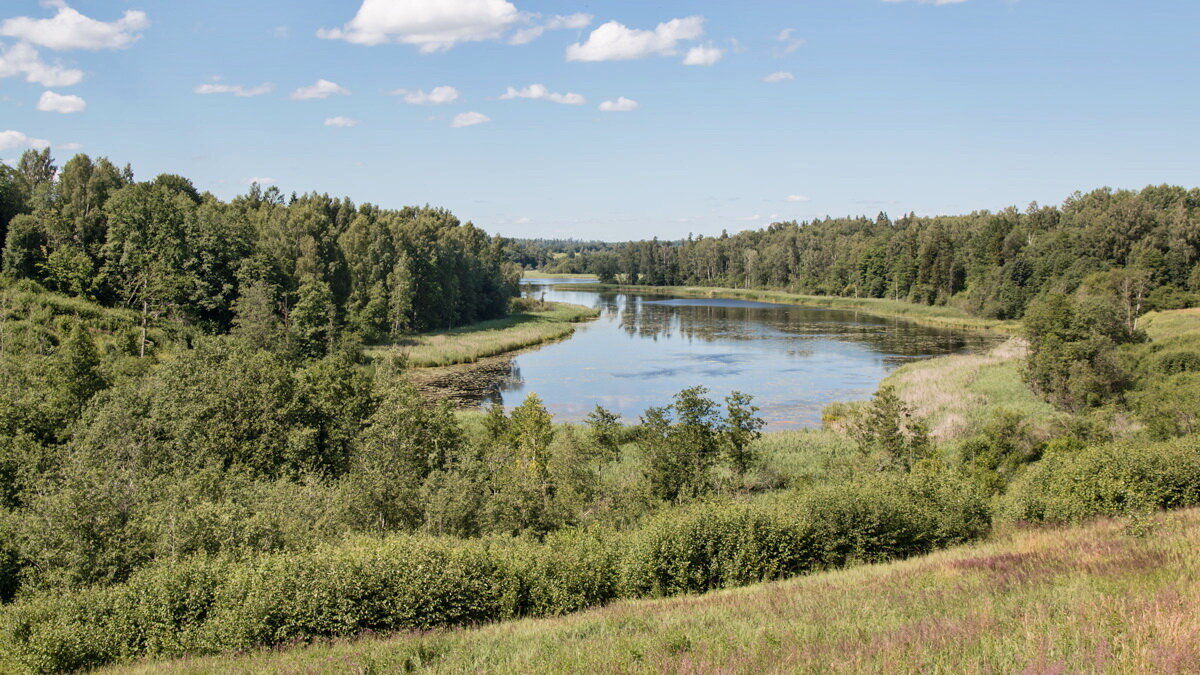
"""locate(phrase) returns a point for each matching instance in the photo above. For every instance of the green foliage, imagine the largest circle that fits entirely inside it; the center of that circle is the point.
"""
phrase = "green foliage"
(1072, 350)
(605, 427)
(888, 427)
(1170, 406)
(1106, 480)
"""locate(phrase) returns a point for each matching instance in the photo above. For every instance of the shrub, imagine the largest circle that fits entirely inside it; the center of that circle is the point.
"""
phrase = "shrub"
(1182, 361)
(1106, 480)
(712, 546)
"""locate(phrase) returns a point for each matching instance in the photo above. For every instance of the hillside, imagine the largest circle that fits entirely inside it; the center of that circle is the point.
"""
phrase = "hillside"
(1101, 597)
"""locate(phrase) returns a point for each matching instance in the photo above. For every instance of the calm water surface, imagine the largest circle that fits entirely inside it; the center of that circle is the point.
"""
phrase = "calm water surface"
(644, 348)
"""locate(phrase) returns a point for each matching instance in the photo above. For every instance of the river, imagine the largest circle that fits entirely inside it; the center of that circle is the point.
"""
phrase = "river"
(644, 348)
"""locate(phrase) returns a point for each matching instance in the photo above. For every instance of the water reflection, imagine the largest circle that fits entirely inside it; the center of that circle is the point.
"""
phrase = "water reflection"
(644, 348)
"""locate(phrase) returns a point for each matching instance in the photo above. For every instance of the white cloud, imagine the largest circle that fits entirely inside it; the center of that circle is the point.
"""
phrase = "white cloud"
(340, 121)
(15, 140)
(235, 89)
(622, 104)
(70, 146)
(320, 89)
(69, 29)
(260, 181)
(437, 95)
(59, 103)
(795, 198)
(281, 32)
(431, 25)
(703, 56)
(790, 43)
(469, 119)
(779, 76)
(613, 41)
(23, 59)
(522, 221)
(539, 91)
(557, 22)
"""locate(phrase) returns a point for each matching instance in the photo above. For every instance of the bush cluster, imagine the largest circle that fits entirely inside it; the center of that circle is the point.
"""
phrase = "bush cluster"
(1116, 479)
(208, 604)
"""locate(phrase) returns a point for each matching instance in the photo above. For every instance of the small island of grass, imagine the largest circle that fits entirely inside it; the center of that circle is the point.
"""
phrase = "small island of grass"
(530, 323)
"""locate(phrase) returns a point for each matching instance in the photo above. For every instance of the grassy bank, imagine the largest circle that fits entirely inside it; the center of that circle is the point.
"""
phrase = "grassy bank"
(469, 344)
(1087, 599)
(959, 393)
(535, 274)
(941, 316)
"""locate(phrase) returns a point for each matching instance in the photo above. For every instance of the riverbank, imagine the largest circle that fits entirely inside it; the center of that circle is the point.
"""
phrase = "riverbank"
(1089, 598)
(534, 274)
(545, 322)
(938, 316)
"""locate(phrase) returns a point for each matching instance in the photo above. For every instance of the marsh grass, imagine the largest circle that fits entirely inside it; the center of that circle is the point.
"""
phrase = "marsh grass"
(469, 344)
(959, 393)
(941, 316)
(1084, 599)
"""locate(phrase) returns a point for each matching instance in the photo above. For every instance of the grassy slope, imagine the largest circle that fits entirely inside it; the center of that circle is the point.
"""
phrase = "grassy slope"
(1086, 599)
(949, 317)
(489, 338)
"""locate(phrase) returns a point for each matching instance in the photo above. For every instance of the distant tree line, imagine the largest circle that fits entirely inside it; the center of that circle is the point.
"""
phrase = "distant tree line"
(989, 264)
(313, 265)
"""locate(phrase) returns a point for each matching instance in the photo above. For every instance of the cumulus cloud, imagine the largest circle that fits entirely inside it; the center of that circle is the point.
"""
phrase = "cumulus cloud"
(235, 89)
(15, 140)
(614, 41)
(430, 25)
(779, 76)
(22, 59)
(557, 22)
(69, 29)
(436, 96)
(70, 146)
(59, 103)
(539, 91)
(320, 89)
(796, 198)
(622, 104)
(469, 119)
(703, 56)
(340, 121)
(790, 42)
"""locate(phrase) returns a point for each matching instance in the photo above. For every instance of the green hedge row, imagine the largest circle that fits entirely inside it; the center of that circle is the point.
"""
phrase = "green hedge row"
(205, 605)
(1117, 479)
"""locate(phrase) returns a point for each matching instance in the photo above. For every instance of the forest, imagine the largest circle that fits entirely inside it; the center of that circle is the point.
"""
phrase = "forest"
(197, 456)
(988, 264)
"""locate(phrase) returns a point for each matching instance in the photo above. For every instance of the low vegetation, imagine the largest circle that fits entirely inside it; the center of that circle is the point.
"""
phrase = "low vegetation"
(1090, 598)
(530, 323)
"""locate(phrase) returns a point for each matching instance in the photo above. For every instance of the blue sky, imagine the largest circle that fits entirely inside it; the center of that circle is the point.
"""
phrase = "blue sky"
(886, 105)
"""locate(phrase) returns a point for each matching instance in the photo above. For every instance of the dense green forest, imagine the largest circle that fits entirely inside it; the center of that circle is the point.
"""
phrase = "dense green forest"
(989, 264)
(197, 457)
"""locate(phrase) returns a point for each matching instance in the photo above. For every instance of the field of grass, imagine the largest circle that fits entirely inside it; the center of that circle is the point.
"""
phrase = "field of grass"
(1094, 598)
(958, 393)
(471, 343)
(947, 317)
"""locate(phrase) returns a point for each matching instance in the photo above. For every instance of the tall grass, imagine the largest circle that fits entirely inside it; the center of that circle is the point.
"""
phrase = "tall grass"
(1085, 599)
(471, 343)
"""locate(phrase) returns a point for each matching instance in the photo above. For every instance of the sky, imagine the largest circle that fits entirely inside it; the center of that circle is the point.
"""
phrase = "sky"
(618, 119)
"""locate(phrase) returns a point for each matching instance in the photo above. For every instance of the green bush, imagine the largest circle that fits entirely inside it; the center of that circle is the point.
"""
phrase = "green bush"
(1107, 480)
(1180, 361)
(712, 546)
(207, 604)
